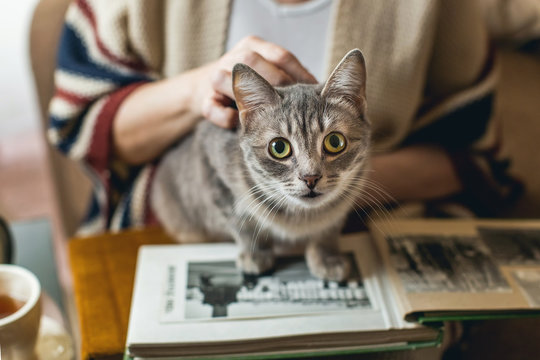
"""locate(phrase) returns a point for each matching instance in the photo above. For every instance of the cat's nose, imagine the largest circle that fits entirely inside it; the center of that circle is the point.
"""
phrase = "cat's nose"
(311, 180)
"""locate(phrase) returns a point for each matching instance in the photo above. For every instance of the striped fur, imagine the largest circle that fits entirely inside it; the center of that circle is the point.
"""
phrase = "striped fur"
(246, 195)
(431, 78)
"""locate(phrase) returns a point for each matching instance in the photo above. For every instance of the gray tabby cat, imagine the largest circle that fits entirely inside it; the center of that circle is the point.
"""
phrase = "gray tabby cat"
(291, 172)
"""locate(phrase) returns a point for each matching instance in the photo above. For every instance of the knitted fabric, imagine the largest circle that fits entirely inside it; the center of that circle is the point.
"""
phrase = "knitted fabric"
(430, 79)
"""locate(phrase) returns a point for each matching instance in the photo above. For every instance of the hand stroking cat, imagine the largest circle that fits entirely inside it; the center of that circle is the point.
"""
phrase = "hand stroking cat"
(291, 172)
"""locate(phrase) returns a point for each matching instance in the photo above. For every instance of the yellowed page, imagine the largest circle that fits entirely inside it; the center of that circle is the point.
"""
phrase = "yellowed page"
(449, 265)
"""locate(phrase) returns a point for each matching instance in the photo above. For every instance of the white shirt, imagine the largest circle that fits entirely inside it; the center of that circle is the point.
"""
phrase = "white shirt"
(300, 28)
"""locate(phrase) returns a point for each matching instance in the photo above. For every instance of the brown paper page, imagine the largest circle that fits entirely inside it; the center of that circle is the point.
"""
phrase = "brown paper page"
(461, 266)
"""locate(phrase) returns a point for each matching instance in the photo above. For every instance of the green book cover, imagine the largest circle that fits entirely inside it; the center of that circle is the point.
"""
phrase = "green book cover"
(314, 354)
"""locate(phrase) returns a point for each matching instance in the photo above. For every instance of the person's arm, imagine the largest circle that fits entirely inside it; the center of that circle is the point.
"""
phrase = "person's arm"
(108, 107)
(157, 114)
(153, 117)
(416, 172)
(92, 79)
(438, 160)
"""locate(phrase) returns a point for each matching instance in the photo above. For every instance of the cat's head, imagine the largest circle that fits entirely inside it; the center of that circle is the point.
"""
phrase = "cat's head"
(305, 145)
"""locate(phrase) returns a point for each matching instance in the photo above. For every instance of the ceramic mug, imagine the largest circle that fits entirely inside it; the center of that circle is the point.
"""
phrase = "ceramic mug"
(20, 306)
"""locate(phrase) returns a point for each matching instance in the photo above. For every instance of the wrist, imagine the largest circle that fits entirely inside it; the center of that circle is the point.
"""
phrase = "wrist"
(154, 117)
(194, 86)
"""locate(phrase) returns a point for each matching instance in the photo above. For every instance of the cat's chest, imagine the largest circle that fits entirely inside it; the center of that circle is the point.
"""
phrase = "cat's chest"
(291, 225)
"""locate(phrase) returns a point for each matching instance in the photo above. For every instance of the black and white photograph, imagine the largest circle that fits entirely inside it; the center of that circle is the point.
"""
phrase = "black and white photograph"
(219, 290)
(513, 246)
(432, 263)
(529, 282)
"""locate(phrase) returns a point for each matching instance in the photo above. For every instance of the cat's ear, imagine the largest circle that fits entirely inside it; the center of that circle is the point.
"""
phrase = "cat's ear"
(251, 90)
(348, 80)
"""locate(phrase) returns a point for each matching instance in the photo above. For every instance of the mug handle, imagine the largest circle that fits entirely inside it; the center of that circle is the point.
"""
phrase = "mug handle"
(6, 243)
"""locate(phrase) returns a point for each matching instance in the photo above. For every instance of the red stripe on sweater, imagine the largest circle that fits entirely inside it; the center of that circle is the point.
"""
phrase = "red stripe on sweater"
(71, 97)
(100, 149)
(89, 14)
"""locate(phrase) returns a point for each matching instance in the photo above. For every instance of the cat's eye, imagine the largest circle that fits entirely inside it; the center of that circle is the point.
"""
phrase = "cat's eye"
(279, 148)
(334, 143)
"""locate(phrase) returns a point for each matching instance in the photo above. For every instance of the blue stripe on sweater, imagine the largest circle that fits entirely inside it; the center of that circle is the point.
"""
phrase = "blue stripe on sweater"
(73, 56)
(125, 223)
(67, 140)
(59, 123)
(93, 210)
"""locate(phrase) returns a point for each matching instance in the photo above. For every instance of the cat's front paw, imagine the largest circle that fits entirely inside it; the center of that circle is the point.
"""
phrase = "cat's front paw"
(326, 264)
(255, 263)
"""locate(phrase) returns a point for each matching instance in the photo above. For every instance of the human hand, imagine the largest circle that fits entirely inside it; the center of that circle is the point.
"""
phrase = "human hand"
(215, 98)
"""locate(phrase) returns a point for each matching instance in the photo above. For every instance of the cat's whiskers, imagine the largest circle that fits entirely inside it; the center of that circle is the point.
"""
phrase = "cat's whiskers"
(261, 222)
(351, 198)
(261, 193)
(278, 205)
(378, 187)
(344, 195)
(255, 189)
(374, 204)
(269, 197)
(251, 191)
(251, 209)
(382, 193)
(372, 220)
(249, 213)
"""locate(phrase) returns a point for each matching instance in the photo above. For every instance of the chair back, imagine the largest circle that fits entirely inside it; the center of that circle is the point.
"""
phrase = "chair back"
(71, 186)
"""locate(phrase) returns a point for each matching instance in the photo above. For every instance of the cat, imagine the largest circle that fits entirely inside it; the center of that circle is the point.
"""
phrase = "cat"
(291, 171)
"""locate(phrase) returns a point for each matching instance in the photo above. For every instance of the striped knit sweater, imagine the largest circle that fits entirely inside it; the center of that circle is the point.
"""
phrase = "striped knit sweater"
(431, 78)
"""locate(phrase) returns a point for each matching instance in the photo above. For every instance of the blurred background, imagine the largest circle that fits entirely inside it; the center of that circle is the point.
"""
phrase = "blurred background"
(23, 189)
(27, 184)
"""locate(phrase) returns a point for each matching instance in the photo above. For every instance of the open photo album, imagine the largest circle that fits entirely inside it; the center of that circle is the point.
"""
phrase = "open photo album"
(190, 301)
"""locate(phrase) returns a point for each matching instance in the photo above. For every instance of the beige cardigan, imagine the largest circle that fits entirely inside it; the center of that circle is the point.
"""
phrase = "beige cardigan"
(410, 47)
(430, 78)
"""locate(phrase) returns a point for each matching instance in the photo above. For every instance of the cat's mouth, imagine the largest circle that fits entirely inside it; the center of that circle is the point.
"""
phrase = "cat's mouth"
(311, 194)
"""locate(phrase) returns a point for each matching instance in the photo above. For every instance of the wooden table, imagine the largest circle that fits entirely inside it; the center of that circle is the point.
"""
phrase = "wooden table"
(103, 269)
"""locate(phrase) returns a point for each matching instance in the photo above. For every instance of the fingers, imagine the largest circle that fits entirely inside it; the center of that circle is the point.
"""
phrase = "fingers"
(280, 58)
(274, 63)
(222, 78)
(216, 110)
